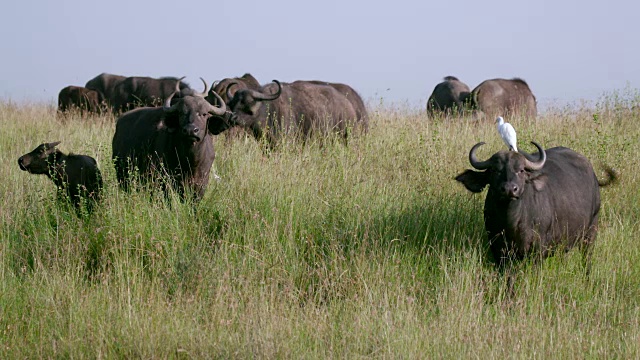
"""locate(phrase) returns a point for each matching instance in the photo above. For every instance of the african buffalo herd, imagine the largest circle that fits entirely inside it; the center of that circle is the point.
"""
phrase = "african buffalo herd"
(507, 97)
(535, 204)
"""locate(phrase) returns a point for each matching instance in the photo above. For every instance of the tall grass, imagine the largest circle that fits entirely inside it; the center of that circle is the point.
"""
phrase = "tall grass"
(365, 250)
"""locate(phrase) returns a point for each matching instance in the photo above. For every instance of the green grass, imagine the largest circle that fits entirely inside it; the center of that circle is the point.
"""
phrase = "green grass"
(365, 251)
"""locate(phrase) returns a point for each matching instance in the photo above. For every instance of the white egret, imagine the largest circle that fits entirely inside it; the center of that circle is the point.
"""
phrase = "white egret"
(508, 133)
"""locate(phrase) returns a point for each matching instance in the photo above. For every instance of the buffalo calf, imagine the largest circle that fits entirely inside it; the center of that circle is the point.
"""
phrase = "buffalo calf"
(77, 177)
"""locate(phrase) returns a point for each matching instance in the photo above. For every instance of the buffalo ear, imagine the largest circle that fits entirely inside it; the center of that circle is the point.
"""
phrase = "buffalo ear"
(51, 145)
(216, 125)
(171, 122)
(539, 181)
(474, 181)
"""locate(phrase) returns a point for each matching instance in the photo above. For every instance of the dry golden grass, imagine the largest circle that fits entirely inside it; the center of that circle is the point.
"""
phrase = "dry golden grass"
(370, 250)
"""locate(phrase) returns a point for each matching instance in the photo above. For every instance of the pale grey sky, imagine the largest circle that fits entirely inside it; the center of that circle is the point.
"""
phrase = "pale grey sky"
(398, 50)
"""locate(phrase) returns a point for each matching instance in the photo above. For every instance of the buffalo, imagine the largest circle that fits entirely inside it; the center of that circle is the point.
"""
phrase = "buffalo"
(139, 91)
(300, 107)
(536, 203)
(104, 84)
(77, 177)
(171, 140)
(503, 97)
(81, 99)
(246, 81)
(354, 98)
(448, 96)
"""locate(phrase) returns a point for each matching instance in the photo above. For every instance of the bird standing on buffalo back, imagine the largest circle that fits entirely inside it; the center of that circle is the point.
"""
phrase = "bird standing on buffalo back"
(508, 133)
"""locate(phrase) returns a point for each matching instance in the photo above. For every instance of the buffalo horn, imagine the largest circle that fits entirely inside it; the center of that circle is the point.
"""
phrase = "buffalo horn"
(206, 87)
(228, 91)
(218, 110)
(167, 103)
(533, 164)
(477, 164)
(261, 96)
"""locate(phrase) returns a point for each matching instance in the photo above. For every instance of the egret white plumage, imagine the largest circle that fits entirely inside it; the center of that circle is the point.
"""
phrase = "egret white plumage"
(508, 133)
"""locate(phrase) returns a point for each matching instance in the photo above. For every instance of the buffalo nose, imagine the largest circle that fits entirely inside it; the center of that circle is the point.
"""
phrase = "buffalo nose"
(21, 163)
(510, 190)
(190, 130)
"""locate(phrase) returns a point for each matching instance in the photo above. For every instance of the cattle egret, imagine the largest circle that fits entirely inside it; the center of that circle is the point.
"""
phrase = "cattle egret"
(508, 133)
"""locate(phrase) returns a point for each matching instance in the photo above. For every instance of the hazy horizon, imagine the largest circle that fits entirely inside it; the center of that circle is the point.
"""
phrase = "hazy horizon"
(566, 51)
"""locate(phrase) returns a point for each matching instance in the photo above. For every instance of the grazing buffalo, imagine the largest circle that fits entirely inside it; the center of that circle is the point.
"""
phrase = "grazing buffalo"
(448, 97)
(104, 84)
(77, 177)
(536, 203)
(139, 91)
(171, 140)
(354, 98)
(503, 97)
(300, 107)
(248, 81)
(81, 99)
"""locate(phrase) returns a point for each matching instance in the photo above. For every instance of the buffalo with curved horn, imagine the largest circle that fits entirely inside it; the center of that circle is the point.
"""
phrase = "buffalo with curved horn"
(301, 108)
(536, 203)
(170, 141)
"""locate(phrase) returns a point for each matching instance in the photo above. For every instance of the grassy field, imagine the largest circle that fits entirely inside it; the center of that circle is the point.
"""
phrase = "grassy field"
(365, 251)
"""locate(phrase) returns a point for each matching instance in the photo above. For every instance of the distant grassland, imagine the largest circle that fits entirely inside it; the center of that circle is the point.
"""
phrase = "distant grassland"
(368, 250)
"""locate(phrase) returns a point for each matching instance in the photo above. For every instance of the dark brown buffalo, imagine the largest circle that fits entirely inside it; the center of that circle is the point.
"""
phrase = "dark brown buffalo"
(104, 84)
(80, 99)
(77, 177)
(353, 97)
(448, 97)
(170, 140)
(300, 107)
(536, 203)
(503, 97)
(246, 81)
(137, 91)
